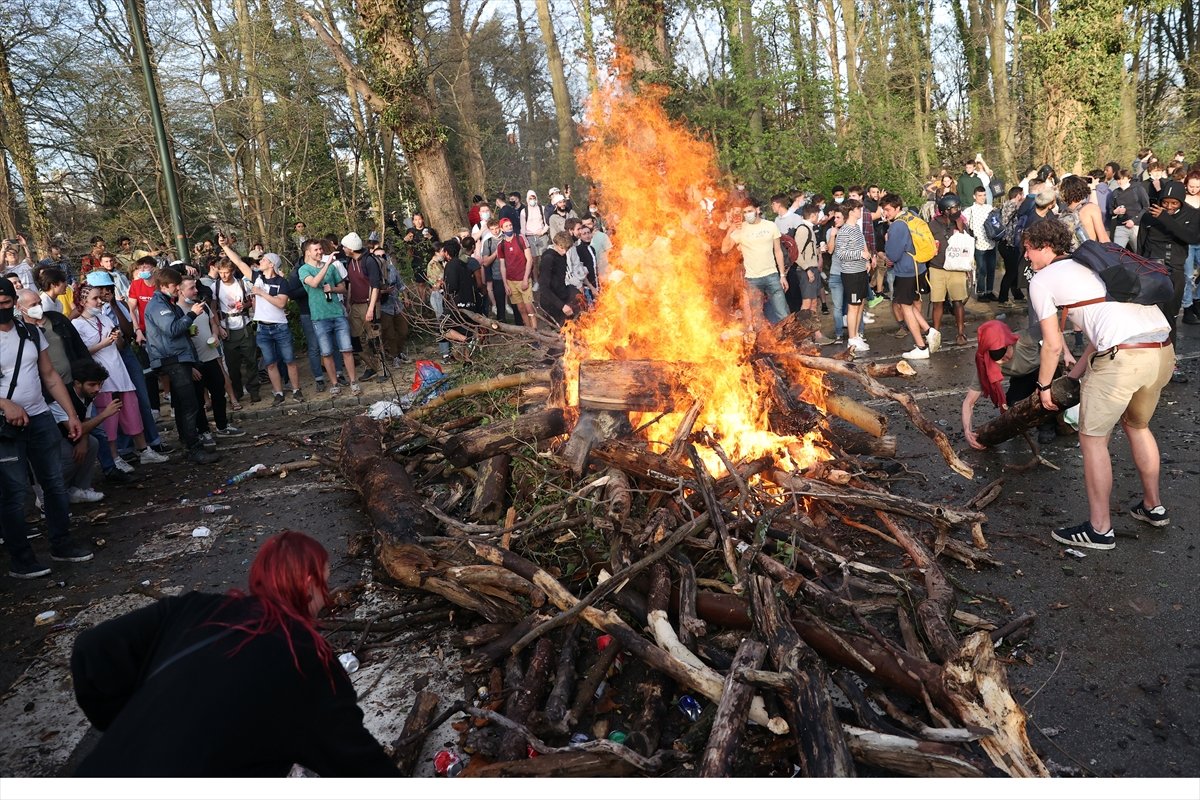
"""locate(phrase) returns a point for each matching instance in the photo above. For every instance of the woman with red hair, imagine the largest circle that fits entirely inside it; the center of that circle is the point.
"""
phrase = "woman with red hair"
(1001, 353)
(226, 685)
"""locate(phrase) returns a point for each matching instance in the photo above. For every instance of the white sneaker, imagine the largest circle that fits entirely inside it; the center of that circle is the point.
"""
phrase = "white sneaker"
(934, 339)
(858, 345)
(355, 389)
(916, 353)
(124, 465)
(868, 317)
(77, 495)
(396, 362)
(148, 456)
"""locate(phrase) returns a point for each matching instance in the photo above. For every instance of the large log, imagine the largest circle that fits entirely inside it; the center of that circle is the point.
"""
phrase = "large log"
(635, 385)
(525, 697)
(392, 503)
(471, 447)
(861, 443)
(424, 707)
(593, 426)
(857, 414)
(731, 712)
(821, 746)
(491, 489)
(1028, 413)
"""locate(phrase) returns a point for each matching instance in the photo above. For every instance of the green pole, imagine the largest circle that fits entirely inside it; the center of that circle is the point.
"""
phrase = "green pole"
(160, 132)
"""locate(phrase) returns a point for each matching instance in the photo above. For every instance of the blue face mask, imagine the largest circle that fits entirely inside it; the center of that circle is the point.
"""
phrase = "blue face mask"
(145, 275)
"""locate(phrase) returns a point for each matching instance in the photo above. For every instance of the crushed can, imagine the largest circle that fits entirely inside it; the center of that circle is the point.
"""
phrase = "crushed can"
(447, 764)
(690, 707)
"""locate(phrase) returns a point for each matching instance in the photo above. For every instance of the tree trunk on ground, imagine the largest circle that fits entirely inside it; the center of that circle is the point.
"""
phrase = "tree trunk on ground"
(562, 95)
(16, 140)
(1028, 413)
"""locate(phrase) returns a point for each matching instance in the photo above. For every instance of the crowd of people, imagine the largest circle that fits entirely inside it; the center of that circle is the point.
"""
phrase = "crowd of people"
(96, 351)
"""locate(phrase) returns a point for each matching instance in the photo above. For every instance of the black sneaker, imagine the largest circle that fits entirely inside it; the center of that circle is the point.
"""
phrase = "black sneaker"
(71, 552)
(255, 397)
(162, 448)
(115, 476)
(298, 394)
(366, 376)
(277, 402)
(1084, 535)
(201, 456)
(1156, 516)
(342, 381)
(320, 386)
(27, 566)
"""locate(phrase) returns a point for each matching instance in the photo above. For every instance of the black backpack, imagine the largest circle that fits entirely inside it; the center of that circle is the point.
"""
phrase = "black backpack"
(1128, 277)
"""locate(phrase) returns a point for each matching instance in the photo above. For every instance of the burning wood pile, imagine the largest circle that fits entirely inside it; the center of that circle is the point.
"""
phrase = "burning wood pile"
(667, 510)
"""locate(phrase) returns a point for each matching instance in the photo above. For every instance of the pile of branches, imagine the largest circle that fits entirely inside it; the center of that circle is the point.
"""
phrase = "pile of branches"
(621, 590)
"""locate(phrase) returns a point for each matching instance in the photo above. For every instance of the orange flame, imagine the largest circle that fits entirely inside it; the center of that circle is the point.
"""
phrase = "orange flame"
(670, 295)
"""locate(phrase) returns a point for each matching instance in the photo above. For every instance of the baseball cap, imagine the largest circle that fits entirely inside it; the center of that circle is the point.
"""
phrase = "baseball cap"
(7, 289)
(273, 258)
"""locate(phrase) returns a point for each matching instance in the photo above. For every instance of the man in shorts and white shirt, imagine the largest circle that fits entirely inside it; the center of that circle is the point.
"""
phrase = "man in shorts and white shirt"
(1122, 371)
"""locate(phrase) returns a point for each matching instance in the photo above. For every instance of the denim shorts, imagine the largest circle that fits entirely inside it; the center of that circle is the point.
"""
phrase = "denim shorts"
(333, 335)
(275, 341)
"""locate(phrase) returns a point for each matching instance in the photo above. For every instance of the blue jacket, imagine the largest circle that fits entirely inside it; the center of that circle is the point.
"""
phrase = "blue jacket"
(167, 332)
(899, 249)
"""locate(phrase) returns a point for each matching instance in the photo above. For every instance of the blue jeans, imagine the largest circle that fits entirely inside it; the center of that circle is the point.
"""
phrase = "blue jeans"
(776, 302)
(37, 448)
(838, 298)
(275, 341)
(985, 270)
(314, 351)
(333, 335)
(1190, 267)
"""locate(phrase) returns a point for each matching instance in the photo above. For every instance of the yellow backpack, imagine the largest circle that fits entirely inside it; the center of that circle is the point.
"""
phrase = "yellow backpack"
(924, 246)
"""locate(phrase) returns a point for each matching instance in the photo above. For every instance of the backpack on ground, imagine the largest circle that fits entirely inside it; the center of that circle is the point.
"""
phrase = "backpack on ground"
(924, 245)
(1128, 277)
(993, 226)
(960, 253)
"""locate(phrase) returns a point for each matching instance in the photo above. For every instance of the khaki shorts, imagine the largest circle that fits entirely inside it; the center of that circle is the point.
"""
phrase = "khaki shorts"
(947, 285)
(516, 295)
(1124, 387)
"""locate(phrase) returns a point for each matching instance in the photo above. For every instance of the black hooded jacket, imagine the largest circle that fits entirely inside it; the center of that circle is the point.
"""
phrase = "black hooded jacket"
(1166, 237)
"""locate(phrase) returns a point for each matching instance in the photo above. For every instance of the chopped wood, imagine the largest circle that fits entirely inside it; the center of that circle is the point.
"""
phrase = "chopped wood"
(593, 425)
(632, 385)
(530, 377)
(491, 489)
(731, 712)
(392, 503)
(525, 696)
(857, 414)
(424, 708)
(1028, 413)
(471, 447)
(908, 756)
(896, 369)
(861, 443)
(564, 677)
(927, 512)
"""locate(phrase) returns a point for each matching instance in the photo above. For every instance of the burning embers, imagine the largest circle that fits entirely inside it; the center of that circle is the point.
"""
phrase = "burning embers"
(669, 306)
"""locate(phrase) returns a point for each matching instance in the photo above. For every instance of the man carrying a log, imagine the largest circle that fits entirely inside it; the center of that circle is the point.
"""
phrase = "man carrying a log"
(1127, 362)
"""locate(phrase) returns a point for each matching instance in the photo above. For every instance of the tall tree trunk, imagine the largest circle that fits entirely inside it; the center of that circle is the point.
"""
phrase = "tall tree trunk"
(832, 52)
(8, 205)
(589, 46)
(464, 100)
(258, 147)
(640, 29)
(562, 96)
(398, 92)
(1002, 112)
(853, 34)
(16, 141)
(528, 144)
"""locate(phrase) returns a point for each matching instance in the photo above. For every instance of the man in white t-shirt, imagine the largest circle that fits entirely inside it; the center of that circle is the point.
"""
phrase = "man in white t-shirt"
(762, 259)
(1122, 371)
(29, 439)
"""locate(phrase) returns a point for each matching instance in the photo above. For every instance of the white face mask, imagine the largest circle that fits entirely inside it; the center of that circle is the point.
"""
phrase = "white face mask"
(484, 216)
(750, 216)
(593, 209)
(34, 312)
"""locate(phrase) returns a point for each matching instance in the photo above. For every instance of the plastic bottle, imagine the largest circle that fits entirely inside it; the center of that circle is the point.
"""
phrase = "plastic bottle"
(618, 736)
(349, 662)
(448, 764)
(241, 476)
(690, 707)
(580, 737)
(213, 509)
